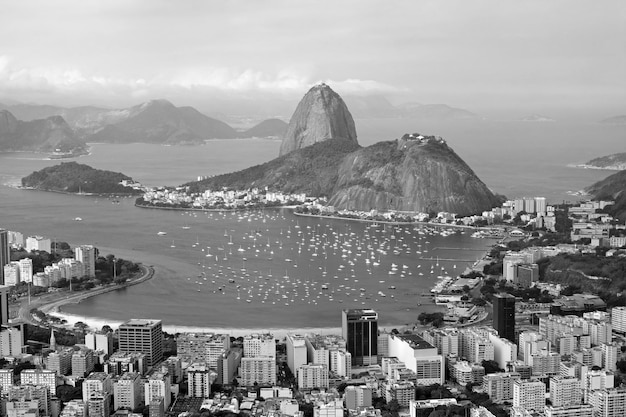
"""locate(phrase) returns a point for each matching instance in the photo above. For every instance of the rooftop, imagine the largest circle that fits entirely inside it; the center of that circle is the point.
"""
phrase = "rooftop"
(415, 341)
(140, 323)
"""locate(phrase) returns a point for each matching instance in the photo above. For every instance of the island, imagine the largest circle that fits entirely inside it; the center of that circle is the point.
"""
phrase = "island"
(75, 178)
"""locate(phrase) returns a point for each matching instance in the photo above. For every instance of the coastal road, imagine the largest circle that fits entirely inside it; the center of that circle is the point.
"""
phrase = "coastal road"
(52, 301)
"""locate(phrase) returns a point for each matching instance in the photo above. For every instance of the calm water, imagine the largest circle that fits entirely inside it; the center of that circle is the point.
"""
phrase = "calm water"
(272, 269)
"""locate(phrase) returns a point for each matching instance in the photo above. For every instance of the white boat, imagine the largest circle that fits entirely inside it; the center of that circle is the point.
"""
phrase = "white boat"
(161, 233)
(78, 219)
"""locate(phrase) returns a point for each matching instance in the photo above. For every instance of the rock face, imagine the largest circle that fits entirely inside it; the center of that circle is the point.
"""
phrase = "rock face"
(36, 135)
(415, 173)
(321, 115)
(616, 161)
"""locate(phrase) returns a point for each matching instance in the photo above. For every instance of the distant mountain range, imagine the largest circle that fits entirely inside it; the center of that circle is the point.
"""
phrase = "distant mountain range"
(379, 107)
(537, 118)
(156, 121)
(615, 120)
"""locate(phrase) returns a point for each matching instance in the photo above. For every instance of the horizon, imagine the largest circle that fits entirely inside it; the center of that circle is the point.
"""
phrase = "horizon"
(556, 59)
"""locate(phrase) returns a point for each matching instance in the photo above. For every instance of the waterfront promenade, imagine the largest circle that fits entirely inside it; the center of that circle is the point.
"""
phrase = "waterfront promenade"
(52, 301)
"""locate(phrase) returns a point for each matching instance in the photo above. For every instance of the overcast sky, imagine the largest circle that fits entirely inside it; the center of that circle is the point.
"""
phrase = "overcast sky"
(472, 54)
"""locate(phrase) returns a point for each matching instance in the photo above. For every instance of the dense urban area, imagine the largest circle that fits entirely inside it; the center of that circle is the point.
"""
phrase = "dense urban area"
(552, 286)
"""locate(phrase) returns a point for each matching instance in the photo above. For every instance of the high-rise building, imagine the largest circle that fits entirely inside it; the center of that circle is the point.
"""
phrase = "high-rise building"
(499, 385)
(312, 376)
(529, 395)
(609, 402)
(12, 273)
(504, 315)
(38, 243)
(565, 391)
(145, 336)
(358, 396)
(97, 382)
(259, 346)
(296, 352)
(100, 341)
(5, 252)
(199, 381)
(4, 305)
(127, 391)
(87, 255)
(26, 270)
(261, 370)
(618, 319)
(580, 410)
(360, 331)
(83, 362)
(40, 377)
(11, 340)
(158, 386)
(98, 404)
(202, 347)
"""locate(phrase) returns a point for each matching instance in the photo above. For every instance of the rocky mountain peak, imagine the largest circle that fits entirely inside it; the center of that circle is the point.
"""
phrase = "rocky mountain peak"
(8, 122)
(321, 115)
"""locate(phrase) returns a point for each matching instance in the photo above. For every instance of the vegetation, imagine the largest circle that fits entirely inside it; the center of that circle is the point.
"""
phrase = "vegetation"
(72, 177)
(611, 188)
(436, 319)
(311, 170)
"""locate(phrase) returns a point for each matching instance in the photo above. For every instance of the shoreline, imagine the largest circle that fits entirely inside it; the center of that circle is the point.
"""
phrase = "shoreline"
(50, 303)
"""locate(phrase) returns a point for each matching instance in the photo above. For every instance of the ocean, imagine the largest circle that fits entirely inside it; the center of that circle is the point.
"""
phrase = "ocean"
(271, 269)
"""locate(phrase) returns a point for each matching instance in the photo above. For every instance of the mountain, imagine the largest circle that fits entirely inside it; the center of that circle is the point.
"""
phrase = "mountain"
(40, 135)
(267, 128)
(159, 121)
(72, 177)
(311, 170)
(612, 187)
(414, 173)
(536, 118)
(616, 161)
(321, 115)
(615, 120)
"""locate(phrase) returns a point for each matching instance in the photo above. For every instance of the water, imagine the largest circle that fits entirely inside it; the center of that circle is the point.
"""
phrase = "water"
(513, 159)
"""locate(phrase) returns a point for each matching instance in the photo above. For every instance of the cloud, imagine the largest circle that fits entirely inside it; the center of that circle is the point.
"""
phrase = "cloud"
(53, 81)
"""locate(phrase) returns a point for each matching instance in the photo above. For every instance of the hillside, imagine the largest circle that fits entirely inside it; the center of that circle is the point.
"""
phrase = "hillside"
(311, 170)
(159, 121)
(616, 161)
(615, 120)
(612, 187)
(72, 177)
(414, 173)
(40, 135)
(267, 128)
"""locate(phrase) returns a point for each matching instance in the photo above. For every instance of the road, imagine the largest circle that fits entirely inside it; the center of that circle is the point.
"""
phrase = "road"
(51, 301)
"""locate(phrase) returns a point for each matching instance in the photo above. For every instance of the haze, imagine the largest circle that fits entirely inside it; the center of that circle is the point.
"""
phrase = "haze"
(485, 56)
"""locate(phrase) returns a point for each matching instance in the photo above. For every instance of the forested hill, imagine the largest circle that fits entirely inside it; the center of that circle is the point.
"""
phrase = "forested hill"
(72, 177)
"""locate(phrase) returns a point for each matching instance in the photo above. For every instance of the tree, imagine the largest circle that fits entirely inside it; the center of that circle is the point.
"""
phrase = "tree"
(491, 367)
(106, 329)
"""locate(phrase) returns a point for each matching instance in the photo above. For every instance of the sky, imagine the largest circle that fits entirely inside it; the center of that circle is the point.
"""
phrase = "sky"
(481, 55)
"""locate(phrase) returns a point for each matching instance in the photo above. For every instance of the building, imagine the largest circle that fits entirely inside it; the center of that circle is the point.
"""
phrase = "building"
(341, 363)
(121, 362)
(83, 362)
(618, 319)
(580, 410)
(202, 347)
(199, 381)
(259, 346)
(227, 366)
(504, 316)
(499, 385)
(402, 392)
(11, 341)
(97, 382)
(127, 391)
(5, 253)
(145, 336)
(40, 394)
(609, 402)
(565, 391)
(296, 352)
(504, 351)
(312, 376)
(100, 342)
(26, 270)
(4, 305)
(87, 255)
(529, 395)
(38, 243)
(98, 404)
(447, 340)
(464, 373)
(40, 377)
(418, 356)
(12, 273)
(60, 362)
(158, 387)
(359, 328)
(261, 370)
(357, 396)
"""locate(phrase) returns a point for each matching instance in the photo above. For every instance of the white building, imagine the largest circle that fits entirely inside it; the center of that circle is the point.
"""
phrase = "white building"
(499, 385)
(158, 386)
(40, 377)
(504, 351)
(312, 376)
(418, 356)
(12, 273)
(609, 402)
(38, 243)
(26, 270)
(565, 391)
(261, 370)
(296, 352)
(199, 380)
(127, 391)
(86, 254)
(259, 346)
(529, 395)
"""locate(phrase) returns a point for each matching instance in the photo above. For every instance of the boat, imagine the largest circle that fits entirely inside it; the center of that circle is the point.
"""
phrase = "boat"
(161, 233)
(78, 219)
